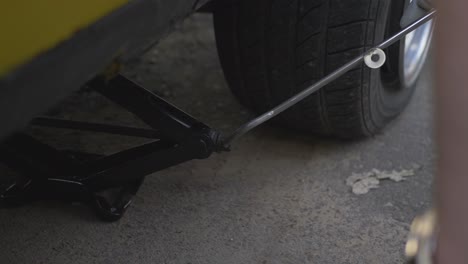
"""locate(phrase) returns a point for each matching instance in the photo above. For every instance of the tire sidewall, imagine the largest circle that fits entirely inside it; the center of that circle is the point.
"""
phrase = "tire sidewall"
(386, 99)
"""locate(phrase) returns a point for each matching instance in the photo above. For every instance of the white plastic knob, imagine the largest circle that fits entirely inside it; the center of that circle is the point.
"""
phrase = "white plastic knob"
(375, 58)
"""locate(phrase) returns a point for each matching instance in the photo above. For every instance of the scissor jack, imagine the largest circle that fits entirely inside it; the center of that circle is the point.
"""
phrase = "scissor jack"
(107, 182)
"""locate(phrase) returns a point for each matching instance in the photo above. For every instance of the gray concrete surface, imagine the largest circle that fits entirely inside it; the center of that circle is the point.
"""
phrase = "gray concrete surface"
(277, 197)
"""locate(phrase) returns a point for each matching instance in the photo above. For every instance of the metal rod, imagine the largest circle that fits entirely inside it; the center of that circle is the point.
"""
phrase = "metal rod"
(324, 81)
(96, 127)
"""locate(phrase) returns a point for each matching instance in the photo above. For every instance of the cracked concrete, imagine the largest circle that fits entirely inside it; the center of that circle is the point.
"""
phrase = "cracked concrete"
(277, 197)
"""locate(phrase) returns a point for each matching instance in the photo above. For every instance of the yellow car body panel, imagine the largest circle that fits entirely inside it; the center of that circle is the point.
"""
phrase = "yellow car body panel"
(31, 27)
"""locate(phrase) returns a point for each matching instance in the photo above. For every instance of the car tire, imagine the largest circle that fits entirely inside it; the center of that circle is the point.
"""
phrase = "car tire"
(272, 49)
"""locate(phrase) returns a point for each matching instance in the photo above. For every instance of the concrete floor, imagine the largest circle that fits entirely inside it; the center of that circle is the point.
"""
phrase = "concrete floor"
(277, 197)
